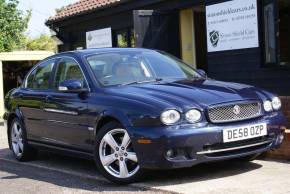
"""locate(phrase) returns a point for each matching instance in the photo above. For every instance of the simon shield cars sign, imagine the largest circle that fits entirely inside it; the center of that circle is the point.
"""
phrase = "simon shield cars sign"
(232, 25)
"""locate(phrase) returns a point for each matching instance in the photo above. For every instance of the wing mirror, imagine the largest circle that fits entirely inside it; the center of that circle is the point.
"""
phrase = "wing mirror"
(202, 73)
(72, 86)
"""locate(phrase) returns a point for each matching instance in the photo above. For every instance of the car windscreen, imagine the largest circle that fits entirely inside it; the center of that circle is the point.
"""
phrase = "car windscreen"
(123, 67)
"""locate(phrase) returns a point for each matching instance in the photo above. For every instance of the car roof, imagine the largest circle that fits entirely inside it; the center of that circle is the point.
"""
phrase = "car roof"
(96, 51)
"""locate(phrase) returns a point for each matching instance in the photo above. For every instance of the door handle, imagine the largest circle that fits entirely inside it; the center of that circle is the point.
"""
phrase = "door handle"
(48, 99)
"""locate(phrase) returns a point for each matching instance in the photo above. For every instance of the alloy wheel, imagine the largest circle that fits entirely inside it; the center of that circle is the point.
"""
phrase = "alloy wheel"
(117, 155)
(17, 139)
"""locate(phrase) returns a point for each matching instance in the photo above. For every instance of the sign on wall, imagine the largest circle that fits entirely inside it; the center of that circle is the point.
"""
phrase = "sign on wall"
(99, 38)
(232, 25)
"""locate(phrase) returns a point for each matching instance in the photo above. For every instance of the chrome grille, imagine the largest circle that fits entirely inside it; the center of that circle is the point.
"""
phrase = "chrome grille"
(234, 112)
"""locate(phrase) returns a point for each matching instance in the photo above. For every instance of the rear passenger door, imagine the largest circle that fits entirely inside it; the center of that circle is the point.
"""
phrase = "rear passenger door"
(32, 98)
(67, 112)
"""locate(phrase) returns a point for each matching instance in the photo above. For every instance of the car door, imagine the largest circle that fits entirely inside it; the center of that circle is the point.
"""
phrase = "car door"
(31, 99)
(67, 112)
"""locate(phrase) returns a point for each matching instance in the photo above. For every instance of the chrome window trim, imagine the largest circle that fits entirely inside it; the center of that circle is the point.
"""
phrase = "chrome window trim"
(36, 66)
(56, 58)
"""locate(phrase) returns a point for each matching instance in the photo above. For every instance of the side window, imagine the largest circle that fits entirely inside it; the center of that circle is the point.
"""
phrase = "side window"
(68, 69)
(39, 78)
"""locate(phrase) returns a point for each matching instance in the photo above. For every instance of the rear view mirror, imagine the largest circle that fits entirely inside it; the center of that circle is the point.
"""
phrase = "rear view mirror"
(72, 86)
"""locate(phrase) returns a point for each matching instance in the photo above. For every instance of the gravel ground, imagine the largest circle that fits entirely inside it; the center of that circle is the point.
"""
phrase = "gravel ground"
(52, 173)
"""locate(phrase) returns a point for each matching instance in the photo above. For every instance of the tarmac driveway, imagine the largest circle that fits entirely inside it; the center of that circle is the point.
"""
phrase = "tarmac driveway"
(58, 174)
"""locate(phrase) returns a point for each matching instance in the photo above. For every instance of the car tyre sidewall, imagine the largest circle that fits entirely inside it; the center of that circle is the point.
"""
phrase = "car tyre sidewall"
(29, 153)
(106, 128)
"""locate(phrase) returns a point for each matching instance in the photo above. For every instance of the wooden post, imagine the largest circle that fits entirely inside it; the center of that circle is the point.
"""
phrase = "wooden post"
(1, 93)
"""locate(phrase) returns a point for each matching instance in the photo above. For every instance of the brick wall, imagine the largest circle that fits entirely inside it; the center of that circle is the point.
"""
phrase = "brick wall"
(284, 151)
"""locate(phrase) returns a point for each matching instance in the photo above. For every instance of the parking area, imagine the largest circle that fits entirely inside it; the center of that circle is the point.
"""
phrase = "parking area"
(58, 174)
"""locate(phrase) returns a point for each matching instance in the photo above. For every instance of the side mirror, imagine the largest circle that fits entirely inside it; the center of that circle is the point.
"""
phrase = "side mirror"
(202, 73)
(72, 86)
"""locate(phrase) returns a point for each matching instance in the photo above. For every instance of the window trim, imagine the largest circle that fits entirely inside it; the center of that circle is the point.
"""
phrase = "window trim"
(34, 68)
(55, 69)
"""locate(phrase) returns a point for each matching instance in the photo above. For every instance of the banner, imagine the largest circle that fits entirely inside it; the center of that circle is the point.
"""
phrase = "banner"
(232, 25)
(99, 38)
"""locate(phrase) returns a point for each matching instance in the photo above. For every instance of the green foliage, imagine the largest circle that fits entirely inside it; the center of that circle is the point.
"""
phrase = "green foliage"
(43, 42)
(13, 23)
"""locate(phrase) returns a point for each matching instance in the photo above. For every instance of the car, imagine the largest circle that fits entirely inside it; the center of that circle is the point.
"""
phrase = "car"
(134, 110)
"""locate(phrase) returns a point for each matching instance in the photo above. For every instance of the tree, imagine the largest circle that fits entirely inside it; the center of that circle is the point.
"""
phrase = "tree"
(43, 42)
(13, 23)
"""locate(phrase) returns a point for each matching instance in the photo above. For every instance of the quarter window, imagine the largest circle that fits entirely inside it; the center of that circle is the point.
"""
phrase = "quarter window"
(39, 78)
(68, 69)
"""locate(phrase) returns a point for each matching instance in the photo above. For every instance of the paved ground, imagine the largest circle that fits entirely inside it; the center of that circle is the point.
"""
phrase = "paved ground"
(58, 174)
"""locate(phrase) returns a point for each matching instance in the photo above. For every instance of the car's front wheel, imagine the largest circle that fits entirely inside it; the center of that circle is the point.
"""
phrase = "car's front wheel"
(115, 156)
(18, 142)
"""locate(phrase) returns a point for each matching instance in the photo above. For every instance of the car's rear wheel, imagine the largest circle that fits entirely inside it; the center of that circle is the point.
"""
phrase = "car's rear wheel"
(115, 156)
(18, 142)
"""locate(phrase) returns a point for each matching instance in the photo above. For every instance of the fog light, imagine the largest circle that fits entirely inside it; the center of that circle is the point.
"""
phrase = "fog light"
(170, 154)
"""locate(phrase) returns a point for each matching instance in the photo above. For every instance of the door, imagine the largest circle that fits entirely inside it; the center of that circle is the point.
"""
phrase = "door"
(157, 30)
(32, 97)
(67, 112)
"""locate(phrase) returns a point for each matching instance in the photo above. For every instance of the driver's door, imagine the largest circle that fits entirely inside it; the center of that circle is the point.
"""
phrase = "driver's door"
(67, 112)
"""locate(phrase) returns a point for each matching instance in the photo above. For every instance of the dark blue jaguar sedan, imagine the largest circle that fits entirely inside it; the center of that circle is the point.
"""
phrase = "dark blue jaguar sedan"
(135, 109)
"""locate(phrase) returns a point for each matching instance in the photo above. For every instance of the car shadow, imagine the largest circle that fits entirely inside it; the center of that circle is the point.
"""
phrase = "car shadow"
(199, 173)
(53, 174)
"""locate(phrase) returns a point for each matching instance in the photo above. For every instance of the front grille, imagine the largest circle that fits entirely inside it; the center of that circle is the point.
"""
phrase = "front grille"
(234, 112)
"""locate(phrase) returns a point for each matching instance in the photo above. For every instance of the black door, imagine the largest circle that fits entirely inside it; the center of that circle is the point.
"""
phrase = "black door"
(32, 97)
(67, 112)
(157, 30)
(270, 22)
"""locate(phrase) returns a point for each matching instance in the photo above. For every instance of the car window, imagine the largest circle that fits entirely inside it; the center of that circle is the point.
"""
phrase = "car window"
(122, 67)
(68, 69)
(40, 76)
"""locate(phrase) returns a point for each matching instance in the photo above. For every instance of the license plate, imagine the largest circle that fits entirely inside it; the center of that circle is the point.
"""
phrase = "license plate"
(244, 132)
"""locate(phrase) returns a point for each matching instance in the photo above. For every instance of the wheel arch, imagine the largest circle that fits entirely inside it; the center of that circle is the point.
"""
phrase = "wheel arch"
(111, 116)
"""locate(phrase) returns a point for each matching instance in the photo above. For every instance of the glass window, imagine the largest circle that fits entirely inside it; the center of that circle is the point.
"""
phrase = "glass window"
(125, 38)
(39, 78)
(68, 69)
(270, 34)
(117, 68)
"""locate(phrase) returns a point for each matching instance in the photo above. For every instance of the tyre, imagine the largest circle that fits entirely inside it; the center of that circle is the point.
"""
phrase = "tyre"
(114, 155)
(18, 142)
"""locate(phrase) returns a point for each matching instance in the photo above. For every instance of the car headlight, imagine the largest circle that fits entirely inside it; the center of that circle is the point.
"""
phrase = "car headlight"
(268, 106)
(193, 116)
(170, 117)
(276, 103)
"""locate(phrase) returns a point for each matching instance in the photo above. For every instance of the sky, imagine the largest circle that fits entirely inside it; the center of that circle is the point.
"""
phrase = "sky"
(41, 11)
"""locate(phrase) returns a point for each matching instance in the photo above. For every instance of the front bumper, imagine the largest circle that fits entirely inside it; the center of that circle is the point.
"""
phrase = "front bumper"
(194, 145)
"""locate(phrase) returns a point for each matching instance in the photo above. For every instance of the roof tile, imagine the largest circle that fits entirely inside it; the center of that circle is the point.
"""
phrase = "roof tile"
(81, 6)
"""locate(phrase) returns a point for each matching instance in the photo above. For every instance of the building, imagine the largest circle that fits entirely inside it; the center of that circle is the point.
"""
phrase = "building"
(246, 41)
(13, 68)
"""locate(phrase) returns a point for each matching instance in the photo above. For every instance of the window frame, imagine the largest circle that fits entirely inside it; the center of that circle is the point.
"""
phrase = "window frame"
(60, 59)
(24, 85)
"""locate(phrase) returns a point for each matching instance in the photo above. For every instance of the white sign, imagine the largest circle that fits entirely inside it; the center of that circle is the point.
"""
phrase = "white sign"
(232, 25)
(99, 38)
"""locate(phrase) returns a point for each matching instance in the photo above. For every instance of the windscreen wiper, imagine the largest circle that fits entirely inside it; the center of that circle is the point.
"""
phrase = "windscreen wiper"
(141, 82)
